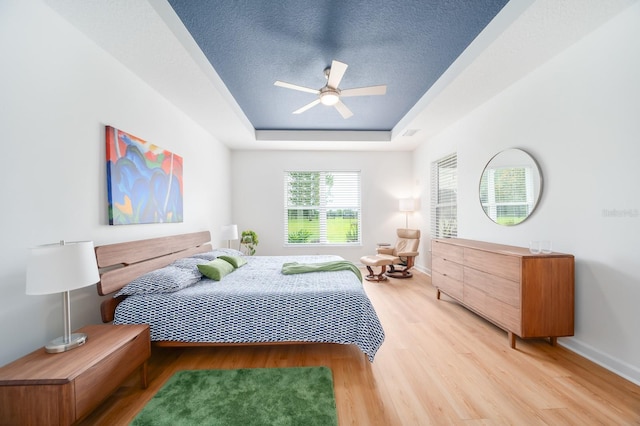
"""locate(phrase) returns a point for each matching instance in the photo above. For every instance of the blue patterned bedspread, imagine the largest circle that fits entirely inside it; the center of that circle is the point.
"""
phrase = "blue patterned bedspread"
(257, 303)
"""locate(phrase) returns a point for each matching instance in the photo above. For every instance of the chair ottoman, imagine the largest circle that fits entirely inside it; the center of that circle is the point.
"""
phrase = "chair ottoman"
(380, 261)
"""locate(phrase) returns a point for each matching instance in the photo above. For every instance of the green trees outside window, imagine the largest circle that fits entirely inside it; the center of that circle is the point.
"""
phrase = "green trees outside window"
(322, 207)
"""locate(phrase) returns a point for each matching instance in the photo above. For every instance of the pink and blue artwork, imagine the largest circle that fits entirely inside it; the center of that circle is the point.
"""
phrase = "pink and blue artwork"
(144, 181)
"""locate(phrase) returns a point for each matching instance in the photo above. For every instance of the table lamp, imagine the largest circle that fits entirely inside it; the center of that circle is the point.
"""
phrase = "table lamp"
(229, 232)
(60, 268)
(407, 205)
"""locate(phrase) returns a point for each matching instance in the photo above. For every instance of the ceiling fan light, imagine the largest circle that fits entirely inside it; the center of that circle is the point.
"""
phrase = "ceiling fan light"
(329, 98)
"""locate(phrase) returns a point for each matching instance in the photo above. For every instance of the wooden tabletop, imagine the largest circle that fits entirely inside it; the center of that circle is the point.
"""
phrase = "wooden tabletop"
(40, 367)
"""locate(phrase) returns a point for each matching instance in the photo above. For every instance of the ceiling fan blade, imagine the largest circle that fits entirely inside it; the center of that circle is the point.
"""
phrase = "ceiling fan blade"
(336, 73)
(296, 87)
(343, 110)
(365, 91)
(307, 106)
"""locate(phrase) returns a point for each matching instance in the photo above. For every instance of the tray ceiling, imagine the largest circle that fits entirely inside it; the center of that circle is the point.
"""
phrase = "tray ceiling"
(406, 45)
(217, 60)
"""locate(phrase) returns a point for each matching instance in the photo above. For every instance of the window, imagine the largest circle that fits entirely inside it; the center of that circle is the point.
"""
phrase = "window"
(444, 197)
(321, 208)
(507, 193)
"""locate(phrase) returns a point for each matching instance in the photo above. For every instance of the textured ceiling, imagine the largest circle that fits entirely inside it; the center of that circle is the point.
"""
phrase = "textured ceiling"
(405, 44)
(148, 38)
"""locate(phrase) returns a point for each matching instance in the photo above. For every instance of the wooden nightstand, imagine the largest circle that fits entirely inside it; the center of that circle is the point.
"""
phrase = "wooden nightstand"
(60, 389)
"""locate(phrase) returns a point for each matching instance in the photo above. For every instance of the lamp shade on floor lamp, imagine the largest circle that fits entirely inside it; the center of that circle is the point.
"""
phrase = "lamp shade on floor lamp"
(407, 205)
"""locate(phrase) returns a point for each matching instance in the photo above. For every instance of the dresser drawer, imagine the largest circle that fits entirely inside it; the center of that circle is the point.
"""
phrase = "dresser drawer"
(501, 289)
(500, 265)
(50, 405)
(475, 299)
(447, 251)
(447, 268)
(506, 315)
(110, 373)
(448, 285)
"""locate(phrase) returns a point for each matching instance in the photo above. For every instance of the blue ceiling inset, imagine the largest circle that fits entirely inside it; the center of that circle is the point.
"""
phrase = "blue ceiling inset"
(406, 45)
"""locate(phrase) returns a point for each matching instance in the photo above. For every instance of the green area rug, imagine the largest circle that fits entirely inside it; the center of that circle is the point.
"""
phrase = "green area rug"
(249, 396)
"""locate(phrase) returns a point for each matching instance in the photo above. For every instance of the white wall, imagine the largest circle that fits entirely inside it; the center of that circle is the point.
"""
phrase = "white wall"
(578, 115)
(258, 195)
(57, 92)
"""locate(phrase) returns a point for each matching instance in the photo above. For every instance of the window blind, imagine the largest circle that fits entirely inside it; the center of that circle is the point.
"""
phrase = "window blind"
(322, 207)
(444, 197)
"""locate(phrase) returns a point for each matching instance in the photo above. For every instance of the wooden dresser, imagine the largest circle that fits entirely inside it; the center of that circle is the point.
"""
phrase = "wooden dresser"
(528, 295)
(62, 388)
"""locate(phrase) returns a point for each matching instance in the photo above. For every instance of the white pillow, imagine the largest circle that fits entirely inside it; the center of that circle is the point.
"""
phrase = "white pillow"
(164, 280)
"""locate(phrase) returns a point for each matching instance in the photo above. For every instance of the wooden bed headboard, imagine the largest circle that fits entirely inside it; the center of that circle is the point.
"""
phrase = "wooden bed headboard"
(120, 263)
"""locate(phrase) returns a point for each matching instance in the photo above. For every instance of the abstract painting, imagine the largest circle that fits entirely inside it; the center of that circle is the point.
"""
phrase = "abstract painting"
(144, 181)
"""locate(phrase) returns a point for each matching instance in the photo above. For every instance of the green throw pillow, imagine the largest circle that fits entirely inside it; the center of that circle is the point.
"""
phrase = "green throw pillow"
(236, 261)
(216, 269)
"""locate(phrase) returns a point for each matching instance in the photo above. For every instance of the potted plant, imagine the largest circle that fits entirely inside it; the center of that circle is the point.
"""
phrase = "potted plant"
(248, 242)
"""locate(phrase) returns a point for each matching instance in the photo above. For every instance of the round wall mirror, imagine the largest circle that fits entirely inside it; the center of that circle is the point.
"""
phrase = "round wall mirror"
(510, 187)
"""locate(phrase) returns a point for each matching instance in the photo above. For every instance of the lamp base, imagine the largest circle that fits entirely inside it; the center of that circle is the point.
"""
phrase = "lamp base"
(59, 345)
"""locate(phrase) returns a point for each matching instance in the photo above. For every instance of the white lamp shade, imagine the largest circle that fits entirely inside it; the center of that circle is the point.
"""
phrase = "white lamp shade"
(229, 232)
(57, 268)
(407, 204)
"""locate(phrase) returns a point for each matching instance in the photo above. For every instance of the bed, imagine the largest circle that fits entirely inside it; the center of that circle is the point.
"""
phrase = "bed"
(254, 304)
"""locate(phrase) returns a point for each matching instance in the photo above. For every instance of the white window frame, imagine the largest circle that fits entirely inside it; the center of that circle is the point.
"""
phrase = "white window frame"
(351, 202)
(444, 197)
(491, 205)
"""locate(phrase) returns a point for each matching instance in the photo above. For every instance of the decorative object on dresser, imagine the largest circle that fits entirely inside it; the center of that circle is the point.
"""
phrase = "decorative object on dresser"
(60, 268)
(528, 295)
(45, 389)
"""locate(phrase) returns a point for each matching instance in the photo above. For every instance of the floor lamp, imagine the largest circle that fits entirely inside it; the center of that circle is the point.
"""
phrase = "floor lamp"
(60, 268)
(407, 205)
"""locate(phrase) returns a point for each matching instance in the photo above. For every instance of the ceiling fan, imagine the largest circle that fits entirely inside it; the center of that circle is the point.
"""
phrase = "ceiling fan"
(330, 94)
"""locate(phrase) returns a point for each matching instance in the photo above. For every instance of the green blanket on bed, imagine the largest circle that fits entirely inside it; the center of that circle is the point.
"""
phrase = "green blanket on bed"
(333, 265)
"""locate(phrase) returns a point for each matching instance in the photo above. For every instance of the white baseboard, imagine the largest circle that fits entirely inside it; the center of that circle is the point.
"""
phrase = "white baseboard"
(423, 269)
(619, 367)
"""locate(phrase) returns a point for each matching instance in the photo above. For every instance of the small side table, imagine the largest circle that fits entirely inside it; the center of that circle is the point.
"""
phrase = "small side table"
(62, 388)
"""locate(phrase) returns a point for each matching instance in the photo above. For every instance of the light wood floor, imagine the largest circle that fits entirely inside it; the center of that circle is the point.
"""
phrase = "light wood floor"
(439, 364)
